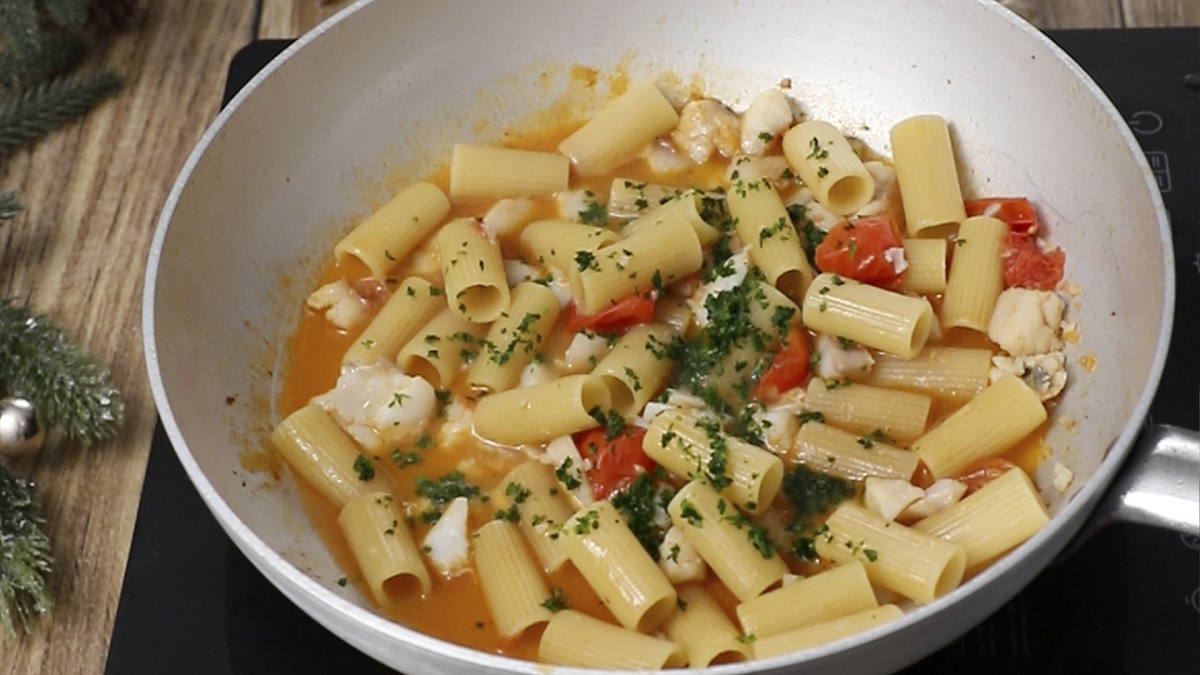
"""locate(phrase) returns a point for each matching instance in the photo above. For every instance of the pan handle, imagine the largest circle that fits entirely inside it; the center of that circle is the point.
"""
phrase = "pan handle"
(1159, 485)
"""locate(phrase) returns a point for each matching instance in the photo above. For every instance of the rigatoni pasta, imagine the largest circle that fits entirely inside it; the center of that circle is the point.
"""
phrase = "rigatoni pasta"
(473, 270)
(596, 416)
(976, 275)
(511, 579)
(625, 124)
(484, 171)
(914, 564)
(825, 161)
(389, 234)
(379, 539)
(608, 555)
(874, 316)
(928, 176)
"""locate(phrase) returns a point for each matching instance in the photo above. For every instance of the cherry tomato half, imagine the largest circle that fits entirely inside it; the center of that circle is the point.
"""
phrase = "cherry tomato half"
(616, 318)
(788, 369)
(1017, 212)
(856, 250)
(615, 461)
(1027, 266)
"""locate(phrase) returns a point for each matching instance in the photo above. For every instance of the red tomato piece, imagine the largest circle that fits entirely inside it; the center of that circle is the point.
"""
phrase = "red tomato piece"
(1017, 212)
(616, 318)
(983, 472)
(1027, 266)
(788, 369)
(855, 250)
(616, 461)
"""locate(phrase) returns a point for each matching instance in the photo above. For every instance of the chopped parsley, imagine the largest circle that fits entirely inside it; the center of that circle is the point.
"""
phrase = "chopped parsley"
(807, 416)
(586, 260)
(565, 475)
(364, 468)
(815, 149)
(811, 494)
(718, 461)
(556, 602)
(442, 491)
(636, 503)
(868, 440)
(612, 422)
(593, 212)
(586, 522)
(688, 512)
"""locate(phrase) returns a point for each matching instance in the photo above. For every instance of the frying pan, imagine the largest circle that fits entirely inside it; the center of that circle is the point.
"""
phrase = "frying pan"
(376, 96)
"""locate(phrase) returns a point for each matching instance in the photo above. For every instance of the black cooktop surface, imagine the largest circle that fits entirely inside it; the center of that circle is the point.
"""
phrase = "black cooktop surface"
(1127, 602)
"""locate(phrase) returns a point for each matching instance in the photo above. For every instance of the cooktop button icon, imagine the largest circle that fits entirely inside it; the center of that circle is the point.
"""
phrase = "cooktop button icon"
(1145, 122)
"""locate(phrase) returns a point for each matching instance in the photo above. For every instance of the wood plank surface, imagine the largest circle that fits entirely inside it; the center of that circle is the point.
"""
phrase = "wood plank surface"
(92, 194)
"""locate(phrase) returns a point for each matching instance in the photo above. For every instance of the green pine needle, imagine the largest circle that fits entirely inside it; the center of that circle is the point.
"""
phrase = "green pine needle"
(58, 54)
(10, 206)
(36, 112)
(25, 556)
(19, 23)
(65, 382)
(67, 13)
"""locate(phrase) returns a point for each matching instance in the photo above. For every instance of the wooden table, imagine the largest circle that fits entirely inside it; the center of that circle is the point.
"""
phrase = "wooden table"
(92, 194)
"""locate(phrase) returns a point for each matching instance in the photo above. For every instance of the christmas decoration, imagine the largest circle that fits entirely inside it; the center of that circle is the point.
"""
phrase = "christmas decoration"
(21, 429)
(46, 380)
(24, 556)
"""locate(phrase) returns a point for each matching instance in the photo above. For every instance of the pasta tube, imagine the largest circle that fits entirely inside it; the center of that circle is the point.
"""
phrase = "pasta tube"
(988, 424)
(612, 560)
(436, 352)
(619, 129)
(379, 540)
(532, 490)
(765, 228)
(541, 412)
(976, 274)
(736, 550)
(829, 450)
(668, 252)
(829, 631)
(992, 520)
(872, 316)
(473, 271)
(633, 371)
(387, 236)
(556, 242)
(316, 449)
(914, 564)
(514, 338)
(746, 475)
(881, 414)
(828, 165)
(928, 176)
(827, 595)
(484, 171)
(511, 580)
(575, 639)
(411, 306)
(702, 628)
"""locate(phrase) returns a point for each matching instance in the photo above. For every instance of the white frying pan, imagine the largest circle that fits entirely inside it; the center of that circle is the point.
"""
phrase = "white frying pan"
(377, 95)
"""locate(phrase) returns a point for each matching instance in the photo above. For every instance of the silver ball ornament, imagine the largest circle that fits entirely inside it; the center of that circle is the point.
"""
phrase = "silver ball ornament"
(21, 429)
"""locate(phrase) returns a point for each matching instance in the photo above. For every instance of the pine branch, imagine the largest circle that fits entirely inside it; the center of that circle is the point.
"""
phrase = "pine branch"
(19, 23)
(35, 113)
(57, 55)
(67, 13)
(66, 383)
(25, 556)
(10, 206)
